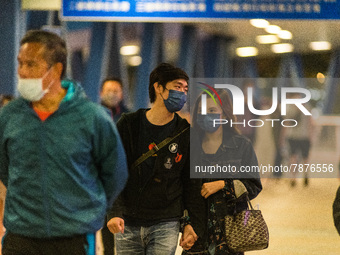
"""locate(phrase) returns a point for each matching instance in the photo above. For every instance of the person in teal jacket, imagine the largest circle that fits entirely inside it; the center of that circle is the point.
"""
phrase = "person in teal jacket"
(61, 157)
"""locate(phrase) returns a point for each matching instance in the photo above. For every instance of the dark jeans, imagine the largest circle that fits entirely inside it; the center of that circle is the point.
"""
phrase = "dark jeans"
(14, 244)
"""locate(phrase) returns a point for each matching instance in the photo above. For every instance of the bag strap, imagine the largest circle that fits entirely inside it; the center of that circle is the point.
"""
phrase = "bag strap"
(249, 204)
(156, 148)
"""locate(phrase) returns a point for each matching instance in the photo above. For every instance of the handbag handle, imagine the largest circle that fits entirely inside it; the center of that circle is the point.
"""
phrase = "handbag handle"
(249, 203)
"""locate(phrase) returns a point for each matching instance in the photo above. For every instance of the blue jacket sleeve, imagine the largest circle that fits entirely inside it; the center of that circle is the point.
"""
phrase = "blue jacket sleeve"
(124, 131)
(110, 158)
(3, 154)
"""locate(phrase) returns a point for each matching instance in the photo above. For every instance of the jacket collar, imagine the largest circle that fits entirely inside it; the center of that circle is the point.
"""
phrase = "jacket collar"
(229, 141)
(181, 123)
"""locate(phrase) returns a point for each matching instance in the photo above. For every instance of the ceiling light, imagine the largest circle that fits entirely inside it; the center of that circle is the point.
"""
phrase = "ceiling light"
(321, 77)
(260, 23)
(285, 34)
(134, 61)
(246, 51)
(282, 48)
(320, 45)
(273, 29)
(266, 39)
(129, 50)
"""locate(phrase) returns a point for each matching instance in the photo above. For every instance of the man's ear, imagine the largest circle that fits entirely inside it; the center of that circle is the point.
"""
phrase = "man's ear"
(158, 88)
(59, 68)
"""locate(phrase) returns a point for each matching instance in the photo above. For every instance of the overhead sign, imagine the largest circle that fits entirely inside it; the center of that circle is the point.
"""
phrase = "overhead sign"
(197, 10)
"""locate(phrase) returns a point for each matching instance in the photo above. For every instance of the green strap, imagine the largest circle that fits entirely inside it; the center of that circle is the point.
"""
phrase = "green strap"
(156, 148)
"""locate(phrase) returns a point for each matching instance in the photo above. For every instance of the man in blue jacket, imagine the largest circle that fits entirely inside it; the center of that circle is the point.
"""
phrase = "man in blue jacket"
(62, 160)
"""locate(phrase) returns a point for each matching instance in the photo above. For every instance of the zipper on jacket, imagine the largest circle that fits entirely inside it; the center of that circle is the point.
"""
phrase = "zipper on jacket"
(140, 190)
(44, 179)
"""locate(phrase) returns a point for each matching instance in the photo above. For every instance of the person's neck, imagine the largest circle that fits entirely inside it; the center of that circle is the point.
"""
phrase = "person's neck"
(215, 136)
(51, 100)
(159, 115)
(212, 141)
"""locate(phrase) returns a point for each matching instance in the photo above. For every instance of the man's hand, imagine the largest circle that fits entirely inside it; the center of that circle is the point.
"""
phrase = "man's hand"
(189, 237)
(116, 225)
(210, 188)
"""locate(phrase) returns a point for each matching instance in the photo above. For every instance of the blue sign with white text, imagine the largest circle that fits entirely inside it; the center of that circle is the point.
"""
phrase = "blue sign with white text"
(196, 10)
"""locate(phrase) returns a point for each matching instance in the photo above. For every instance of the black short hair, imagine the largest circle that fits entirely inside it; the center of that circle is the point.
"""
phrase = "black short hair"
(56, 51)
(163, 74)
(113, 78)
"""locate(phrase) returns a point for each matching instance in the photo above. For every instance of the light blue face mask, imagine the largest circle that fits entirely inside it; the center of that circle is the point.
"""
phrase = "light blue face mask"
(206, 122)
(175, 101)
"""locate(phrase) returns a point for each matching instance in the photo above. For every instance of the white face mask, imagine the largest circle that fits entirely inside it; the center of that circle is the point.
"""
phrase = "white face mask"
(32, 89)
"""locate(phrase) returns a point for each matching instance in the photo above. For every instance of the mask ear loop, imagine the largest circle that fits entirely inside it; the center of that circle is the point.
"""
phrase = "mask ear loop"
(49, 85)
(163, 91)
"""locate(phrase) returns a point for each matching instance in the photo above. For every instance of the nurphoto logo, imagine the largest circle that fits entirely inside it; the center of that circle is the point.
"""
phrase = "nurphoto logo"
(238, 100)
